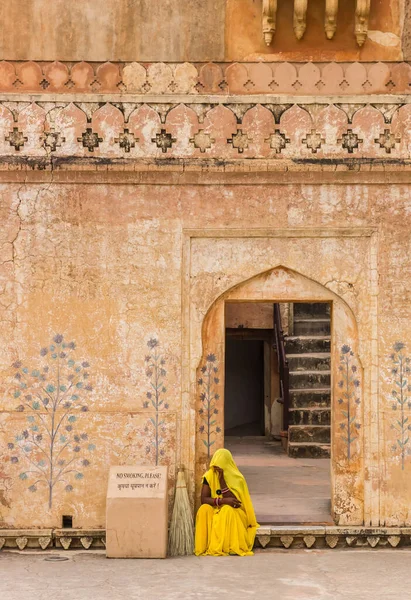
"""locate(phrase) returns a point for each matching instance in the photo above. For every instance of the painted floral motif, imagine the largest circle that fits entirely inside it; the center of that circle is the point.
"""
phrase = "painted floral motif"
(349, 385)
(402, 425)
(52, 450)
(5, 481)
(156, 373)
(209, 398)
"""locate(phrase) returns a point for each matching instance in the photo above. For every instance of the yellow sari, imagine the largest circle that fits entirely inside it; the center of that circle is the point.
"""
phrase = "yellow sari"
(226, 530)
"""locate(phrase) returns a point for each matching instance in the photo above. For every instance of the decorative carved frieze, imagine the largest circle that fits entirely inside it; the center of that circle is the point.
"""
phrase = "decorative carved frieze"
(211, 79)
(228, 129)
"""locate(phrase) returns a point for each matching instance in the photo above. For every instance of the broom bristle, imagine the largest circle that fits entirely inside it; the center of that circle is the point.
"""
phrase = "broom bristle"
(181, 538)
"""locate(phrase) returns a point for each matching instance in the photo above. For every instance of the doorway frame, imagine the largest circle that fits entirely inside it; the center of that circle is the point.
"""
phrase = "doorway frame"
(195, 311)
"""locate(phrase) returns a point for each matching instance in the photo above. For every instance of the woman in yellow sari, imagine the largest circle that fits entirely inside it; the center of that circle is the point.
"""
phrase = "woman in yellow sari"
(225, 522)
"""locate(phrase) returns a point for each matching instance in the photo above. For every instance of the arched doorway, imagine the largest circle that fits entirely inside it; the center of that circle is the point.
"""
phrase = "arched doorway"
(286, 285)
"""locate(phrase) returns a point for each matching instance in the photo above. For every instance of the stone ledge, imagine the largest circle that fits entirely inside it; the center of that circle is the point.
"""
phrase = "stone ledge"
(286, 537)
(22, 539)
(332, 537)
(43, 539)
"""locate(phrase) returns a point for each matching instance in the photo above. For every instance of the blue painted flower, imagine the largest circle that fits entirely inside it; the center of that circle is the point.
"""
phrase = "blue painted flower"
(398, 346)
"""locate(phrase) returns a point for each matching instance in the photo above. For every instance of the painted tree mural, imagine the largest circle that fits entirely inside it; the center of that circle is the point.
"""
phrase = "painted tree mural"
(209, 398)
(349, 384)
(5, 479)
(156, 373)
(52, 450)
(402, 426)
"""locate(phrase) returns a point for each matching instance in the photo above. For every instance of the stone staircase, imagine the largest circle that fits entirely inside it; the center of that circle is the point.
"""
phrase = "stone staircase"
(309, 359)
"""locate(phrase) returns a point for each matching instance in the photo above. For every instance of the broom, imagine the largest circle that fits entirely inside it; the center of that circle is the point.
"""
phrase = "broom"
(181, 538)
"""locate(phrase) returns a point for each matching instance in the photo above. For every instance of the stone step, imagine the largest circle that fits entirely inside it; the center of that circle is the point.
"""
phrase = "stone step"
(312, 309)
(310, 398)
(314, 361)
(310, 416)
(303, 344)
(309, 379)
(312, 326)
(319, 434)
(309, 450)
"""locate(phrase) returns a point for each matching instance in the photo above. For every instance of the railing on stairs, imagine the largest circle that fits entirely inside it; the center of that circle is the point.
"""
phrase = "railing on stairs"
(282, 366)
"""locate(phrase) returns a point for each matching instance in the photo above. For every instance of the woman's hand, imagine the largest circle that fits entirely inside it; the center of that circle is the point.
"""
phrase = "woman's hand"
(232, 502)
(220, 472)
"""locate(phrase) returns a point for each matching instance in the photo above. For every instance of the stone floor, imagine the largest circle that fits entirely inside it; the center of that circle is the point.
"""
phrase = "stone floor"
(296, 575)
(284, 490)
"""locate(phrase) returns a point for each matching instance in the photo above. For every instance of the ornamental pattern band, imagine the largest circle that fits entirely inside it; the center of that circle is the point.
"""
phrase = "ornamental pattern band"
(222, 130)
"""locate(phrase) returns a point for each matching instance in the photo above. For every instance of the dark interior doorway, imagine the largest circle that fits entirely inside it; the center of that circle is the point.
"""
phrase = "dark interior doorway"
(244, 387)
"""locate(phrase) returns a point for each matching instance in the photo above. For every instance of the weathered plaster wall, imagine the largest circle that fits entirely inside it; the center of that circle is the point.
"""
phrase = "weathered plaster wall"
(189, 30)
(102, 266)
(147, 30)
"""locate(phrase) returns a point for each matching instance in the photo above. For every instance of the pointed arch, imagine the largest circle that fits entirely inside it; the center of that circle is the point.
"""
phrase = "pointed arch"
(284, 284)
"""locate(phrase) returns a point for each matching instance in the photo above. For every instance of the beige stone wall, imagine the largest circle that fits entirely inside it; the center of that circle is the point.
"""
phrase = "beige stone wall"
(95, 30)
(190, 30)
(106, 267)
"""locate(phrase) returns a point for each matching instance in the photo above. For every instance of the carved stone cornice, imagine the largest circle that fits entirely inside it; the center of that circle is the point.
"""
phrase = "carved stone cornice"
(199, 79)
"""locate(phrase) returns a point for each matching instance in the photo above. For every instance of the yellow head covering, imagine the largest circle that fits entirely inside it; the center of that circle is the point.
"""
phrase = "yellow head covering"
(235, 481)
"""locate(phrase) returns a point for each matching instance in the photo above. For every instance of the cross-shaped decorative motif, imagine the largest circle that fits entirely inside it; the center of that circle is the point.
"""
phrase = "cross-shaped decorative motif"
(90, 139)
(16, 139)
(163, 140)
(203, 141)
(313, 141)
(350, 141)
(126, 140)
(52, 140)
(240, 141)
(387, 140)
(277, 141)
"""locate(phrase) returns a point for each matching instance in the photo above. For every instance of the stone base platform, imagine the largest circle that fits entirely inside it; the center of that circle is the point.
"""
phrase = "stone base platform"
(287, 537)
(44, 539)
(323, 536)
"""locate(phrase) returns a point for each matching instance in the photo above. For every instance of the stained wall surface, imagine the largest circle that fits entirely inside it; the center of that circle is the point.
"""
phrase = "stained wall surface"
(138, 198)
(191, 30)
(93, 274)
